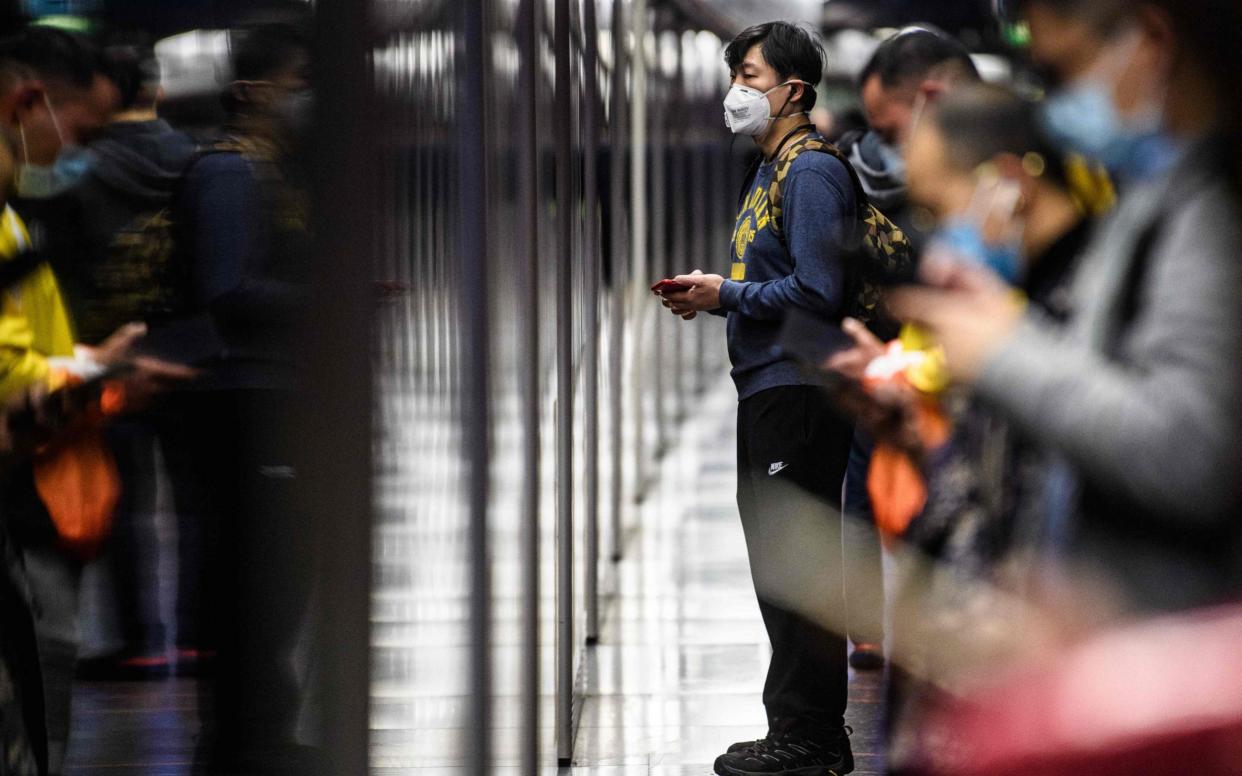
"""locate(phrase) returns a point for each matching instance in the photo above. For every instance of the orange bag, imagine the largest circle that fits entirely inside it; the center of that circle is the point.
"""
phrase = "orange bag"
(896, 488)
(77, 479)
(914, 364)
(895, 483)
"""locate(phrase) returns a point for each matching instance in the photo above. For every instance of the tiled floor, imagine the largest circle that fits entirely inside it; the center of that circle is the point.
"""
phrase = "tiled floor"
(679, 671)
(676, 677)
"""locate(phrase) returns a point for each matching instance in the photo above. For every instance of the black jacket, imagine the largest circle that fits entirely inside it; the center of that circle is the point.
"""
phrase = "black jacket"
(136, 171)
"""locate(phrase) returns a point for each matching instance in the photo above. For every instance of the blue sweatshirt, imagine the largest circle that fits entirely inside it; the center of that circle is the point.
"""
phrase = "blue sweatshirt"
(769, 276)
(247, 269)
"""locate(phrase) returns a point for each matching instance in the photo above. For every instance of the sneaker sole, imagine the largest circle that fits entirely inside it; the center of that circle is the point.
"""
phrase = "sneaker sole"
(812, 770)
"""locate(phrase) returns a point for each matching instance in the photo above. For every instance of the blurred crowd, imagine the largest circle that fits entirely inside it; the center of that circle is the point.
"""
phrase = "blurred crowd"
(985, 332)
(152, 282)
(1027, 383)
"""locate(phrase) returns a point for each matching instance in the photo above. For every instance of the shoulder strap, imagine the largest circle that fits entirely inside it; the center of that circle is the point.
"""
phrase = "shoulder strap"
(785, 164)
(1129, 301)
(753, 170)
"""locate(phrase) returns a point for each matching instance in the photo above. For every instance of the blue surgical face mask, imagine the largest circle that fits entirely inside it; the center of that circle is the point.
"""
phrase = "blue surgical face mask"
(296, 110)
(962, 237)
(894, 162)
(964, 240)
(39, 181)
(1084, 118)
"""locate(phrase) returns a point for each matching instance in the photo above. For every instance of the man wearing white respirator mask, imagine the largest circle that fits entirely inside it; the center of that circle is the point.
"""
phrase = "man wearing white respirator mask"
(787, 253)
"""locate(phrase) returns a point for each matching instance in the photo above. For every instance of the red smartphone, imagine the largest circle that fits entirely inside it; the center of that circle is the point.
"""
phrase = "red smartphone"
(667, 286)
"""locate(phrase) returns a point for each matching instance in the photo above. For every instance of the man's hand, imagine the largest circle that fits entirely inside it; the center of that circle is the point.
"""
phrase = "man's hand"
(971, 313)
(117, 347)
(146, 376)
(853, 362)
(151, 377)
(703, 295)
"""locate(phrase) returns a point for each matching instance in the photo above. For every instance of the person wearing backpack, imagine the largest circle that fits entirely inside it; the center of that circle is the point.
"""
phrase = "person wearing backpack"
(1139, 393)
(790, 251)
(906, 74)
(40, 508)
(116, 238)
(243, 235)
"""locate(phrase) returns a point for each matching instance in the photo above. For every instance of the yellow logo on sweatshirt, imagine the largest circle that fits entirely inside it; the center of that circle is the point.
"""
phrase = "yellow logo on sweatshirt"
(751, 221)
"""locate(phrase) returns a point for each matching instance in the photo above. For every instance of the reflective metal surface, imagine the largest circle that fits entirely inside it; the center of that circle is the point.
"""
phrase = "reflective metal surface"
(538, 172)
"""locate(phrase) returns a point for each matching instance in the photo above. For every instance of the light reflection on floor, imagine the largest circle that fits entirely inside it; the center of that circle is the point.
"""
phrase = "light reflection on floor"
(679, 670)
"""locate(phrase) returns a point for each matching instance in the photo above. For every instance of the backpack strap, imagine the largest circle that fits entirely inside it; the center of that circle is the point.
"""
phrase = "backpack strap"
(790, 154)
(753, 169)
(1129, 301)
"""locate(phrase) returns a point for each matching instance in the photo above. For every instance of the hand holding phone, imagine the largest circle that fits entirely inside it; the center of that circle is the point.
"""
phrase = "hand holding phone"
(667, 286)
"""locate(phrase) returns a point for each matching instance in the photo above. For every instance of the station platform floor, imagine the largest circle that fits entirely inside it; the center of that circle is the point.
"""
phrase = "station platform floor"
(676, 676)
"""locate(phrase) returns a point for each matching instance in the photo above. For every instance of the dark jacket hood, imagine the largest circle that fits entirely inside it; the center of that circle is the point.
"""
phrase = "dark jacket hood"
(142, 159)
(885, 186)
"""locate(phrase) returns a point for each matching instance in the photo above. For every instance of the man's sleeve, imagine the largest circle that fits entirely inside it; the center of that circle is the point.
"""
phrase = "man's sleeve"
(1163, 428)
(20, 364)
(228, 243)
(819, 211)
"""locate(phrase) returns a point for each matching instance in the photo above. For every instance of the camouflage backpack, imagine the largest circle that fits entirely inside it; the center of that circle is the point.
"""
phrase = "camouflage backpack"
(136, 279)
(879, 250)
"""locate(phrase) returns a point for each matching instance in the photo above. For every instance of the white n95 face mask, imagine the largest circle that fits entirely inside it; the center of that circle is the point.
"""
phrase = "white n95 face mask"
(747, 111)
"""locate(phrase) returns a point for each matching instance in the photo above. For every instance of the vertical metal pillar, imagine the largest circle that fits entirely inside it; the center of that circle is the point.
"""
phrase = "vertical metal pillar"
(475, 352)
(701, 194)
(565, 215)
(338, 392)
(639, 245)
(680, 259)
(590, 367)
(657, 167)
(529, 20)
(619, 132)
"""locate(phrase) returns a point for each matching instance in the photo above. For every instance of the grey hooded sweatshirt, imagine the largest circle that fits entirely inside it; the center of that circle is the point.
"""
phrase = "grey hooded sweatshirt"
(1142, 392)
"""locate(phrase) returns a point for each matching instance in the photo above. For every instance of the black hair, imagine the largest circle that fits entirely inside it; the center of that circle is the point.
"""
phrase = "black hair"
(1105, 16)
(913, 54)
(792, 51)
(129, 62)
(978, 122)
(54, 55)
(259, 53)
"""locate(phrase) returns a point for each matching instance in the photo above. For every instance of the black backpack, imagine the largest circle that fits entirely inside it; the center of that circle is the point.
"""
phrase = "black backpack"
(879, 250)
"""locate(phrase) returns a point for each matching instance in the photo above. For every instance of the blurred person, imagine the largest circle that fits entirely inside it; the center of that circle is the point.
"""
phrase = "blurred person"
(68, 100)
(23, 729)
(38, 348)
(792, 445)
(32, 418)
(114, 233)
(1004, 198)
(243, 235)
(1164, 699)
(1139, 394)
(37, 336)
(908, 72)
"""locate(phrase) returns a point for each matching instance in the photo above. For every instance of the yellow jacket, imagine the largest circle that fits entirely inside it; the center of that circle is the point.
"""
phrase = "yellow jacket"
(34, 325)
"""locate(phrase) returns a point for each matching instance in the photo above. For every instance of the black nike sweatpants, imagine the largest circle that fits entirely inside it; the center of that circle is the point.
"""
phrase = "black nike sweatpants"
(792, 453)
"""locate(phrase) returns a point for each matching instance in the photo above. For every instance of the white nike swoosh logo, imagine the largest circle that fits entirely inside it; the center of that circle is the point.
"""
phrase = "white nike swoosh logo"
(777, 468)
